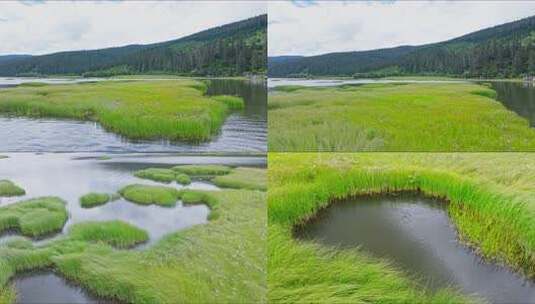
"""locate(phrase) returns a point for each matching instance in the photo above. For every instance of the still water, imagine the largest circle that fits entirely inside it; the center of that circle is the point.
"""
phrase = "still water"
(416, 234)
(242, 131)
(70, 176)
(517, 97)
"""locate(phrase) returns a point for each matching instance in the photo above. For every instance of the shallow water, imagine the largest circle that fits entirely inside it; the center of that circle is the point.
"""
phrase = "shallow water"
(517, 97)
(46, 287)
(416, 234)
(276, 82)
(70, 176)
(242, 131)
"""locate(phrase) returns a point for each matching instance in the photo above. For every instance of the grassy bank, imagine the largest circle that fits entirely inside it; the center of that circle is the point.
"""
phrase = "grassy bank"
(395, 117)
(491, 203)
(8, 188)
(172, 109)
(219, 262)
(223, 261)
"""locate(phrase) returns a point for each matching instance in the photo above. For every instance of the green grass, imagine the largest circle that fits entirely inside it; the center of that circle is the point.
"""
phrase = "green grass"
(202, 170)
(232, 102)
(114, 233)
(395, 117)
(35, 217)
(157, 174)
(93, 199)
(183, 179)
(148, 195)
(8, 188)
(243, 178)
(172, 109)
(163, 175)
(492, 204)
(222, 261)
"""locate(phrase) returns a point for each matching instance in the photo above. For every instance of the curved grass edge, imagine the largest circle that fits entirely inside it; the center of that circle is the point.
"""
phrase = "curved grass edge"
(496, 225)
(192, 128)
(9, 189)
(124, 278)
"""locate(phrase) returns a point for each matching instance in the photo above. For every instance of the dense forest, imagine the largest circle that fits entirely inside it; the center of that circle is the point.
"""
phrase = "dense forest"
(230, 50)
(503, 51)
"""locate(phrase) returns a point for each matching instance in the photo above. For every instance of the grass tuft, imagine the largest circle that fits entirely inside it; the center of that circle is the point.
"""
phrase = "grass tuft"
(8, 188)
(114, 233)
(202, 170)
(93, 199)
(157, 174)
(148, 195)
(35, 217)
(183, 179)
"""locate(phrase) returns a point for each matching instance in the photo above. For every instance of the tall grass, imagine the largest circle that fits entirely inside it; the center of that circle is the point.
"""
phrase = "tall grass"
(491, 203)
(8, 188)
(35, 217)
(222, 261)
(174, 110)
(395, 117)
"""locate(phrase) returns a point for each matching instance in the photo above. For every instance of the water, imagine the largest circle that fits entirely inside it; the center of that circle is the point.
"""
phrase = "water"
(242, 131)
(276, 82)
(70, 176)
(416, 234)
(517, 97)
(46, 287)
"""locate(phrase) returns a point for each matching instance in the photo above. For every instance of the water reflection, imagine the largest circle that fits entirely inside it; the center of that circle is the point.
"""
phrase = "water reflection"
(415, 233)
(242, 131)
(517, 97)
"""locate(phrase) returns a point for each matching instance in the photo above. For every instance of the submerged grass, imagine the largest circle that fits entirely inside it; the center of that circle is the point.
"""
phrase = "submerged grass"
(219, 262)
(148, 195)
(8, 188)
(172, 109)
(93, 199)
(392, 117)
(491, 203)
(35, 217)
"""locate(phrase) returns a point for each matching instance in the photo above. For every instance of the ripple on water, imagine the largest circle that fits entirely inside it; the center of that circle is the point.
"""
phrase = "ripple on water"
(415, 232)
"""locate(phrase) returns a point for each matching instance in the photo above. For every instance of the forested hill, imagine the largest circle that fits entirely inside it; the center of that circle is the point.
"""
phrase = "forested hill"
(234, 49)
(506, 50)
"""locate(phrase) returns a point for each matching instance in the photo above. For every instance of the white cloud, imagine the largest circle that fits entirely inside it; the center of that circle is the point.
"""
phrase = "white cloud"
(329, 26)
(36, 27)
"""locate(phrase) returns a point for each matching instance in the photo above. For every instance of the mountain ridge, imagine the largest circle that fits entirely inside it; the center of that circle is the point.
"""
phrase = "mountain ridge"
(232, 49)
(505, 50)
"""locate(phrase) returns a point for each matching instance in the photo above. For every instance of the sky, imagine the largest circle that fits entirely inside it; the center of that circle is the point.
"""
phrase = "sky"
(318, 27)
(40, 27)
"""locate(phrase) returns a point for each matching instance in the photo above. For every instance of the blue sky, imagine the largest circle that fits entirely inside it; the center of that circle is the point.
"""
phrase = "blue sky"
(308, 27)
(41, 27)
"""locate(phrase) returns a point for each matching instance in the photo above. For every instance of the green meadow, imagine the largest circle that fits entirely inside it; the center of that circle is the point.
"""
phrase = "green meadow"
(222, 261)
(427, 117)
(491, 202)
(159, 109)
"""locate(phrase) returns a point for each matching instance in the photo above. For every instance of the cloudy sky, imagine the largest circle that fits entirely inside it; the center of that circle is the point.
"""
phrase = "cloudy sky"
(40, 27)
(317, 27)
